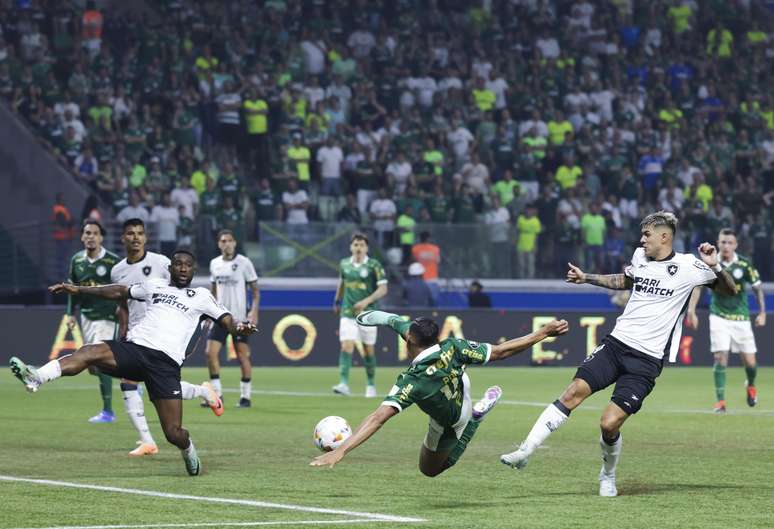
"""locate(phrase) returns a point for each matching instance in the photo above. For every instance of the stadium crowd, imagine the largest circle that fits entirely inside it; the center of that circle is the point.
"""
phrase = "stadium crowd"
(558, 123)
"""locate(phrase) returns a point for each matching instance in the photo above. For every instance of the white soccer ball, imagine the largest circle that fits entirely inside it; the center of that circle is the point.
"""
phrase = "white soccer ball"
(331, 432)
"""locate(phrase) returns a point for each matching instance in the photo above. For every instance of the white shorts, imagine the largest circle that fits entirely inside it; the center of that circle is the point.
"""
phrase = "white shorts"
(97, 331)
(730, 335)
(435, 431)
(350, 330)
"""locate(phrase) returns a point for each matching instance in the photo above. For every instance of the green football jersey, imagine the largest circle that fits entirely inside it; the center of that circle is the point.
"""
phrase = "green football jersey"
(88, 273)
(433, 381)
(735, 307)
(360, 281)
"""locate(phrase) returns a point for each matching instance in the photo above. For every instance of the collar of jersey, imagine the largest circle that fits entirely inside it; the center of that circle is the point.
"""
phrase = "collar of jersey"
(101, 254)
(141, 259)
(424, 354)
(352, 261)
(665, 259)
(732, 261)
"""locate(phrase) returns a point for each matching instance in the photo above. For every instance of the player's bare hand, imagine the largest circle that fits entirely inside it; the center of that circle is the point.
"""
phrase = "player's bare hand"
(71, 322)
(692, 320)
(708, 254)
(360, 306)
(328, 459)
(245, 328)
(556, 327)
(252, 317)
(63, 288)
(760, 319)
(575, 274)
(336, 308)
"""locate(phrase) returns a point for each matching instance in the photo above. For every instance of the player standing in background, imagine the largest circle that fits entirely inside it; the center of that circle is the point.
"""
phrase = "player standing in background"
(153, 350)
(230, 275)
(632, 355)
(361, 283)
(90, 267)
(138, 266)
(729, 321)
(437, 383)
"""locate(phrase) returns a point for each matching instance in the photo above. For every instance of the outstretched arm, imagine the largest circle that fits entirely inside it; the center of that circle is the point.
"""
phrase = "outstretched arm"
(760, 320)
(241, 328)
(367, 428)
(517, 345)
(116, 292)
(691, 319)
(611, 281)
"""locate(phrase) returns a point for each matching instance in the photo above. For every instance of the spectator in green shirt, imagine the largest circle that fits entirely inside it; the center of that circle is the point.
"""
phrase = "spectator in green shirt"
(507, 189)
(593, 228)
(529, 227)
(567, 174)
(406, 225)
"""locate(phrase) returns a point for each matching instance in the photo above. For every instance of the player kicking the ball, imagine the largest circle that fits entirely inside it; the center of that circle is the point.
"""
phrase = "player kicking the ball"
(154, 349)
(436, 381)
(632, 355)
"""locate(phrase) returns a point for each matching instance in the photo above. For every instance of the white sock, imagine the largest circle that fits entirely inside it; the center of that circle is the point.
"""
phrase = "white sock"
(191, 391)
(610, 454)
(50, 371)
(190, 450)
(135, 409)
(548, 422)
(245, 388)
(216, 384)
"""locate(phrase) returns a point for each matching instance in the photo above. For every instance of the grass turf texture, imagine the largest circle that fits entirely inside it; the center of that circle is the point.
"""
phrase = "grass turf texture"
(681, 467)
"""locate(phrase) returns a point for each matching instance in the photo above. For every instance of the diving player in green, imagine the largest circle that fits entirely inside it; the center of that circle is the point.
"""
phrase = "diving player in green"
(91, 267)
(362, 283)
(729, 321)
(436, 382)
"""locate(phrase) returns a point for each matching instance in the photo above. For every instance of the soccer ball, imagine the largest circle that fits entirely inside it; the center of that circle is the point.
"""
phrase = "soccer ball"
(331, 432)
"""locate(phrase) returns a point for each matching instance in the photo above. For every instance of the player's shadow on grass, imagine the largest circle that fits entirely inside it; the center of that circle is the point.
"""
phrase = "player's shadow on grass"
(636, 489)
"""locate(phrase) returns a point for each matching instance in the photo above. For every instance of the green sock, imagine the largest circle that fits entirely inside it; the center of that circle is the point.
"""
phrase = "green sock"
(462, 443)
(720, 381)
(345, 362)
(400, 325)
(106, 389)
(751, 372)
(370, 366)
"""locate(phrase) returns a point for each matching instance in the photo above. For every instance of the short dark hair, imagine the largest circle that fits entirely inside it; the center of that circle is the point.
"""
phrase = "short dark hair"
(424, 331)
(358, 236)
(133, 222)
(93, 222)
(221, 233)
(727, 231)
(185, 251)
(661, 218)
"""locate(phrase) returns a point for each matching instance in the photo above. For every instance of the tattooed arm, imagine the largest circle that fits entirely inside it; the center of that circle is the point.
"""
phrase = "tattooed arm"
(611, 281)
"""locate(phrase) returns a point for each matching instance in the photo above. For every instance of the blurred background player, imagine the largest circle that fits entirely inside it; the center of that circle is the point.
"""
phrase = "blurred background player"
(230, 275)
(90, 267)
(362, 282)
(729, 321)
(141, 265)
(437, 383)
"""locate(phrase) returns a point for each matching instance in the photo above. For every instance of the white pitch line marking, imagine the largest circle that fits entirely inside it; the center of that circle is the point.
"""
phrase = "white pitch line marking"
(205, 524)
(205, 499)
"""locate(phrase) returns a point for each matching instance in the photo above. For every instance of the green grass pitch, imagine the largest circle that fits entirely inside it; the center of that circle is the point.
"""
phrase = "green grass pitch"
(681, 466)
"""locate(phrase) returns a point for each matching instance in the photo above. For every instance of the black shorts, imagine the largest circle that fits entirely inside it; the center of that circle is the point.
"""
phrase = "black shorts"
(219, 334)
(160, 373)
(633, 372)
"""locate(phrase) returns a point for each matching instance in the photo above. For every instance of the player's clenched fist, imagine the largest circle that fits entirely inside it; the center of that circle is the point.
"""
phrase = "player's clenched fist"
(708, 253)
(63, 288)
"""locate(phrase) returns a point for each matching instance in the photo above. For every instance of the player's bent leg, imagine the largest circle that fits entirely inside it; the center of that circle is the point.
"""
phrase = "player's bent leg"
(245, 384)
(135, 410)
(751, 370)
(345, 364)
(719, 375)
(369, 361)
(213, 364)
(170, 412)
(611, 443)
(96, 354)
(578, 391)
(432, 463)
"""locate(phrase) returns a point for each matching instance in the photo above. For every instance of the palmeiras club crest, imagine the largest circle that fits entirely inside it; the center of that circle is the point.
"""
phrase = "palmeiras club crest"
(672, 269)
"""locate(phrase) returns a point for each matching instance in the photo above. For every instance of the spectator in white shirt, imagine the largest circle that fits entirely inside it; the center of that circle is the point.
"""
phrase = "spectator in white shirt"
(314, 92)
(296, 202)
(134, 210)
(499, 86)
(186, 196)
(382, 212)
(460, 139)
(314, 55)
(167, 218)
(330, 158)
(399, 173)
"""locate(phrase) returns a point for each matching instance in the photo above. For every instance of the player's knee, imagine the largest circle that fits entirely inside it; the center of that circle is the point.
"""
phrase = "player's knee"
(176, 435)
(430, 471)
(609, 424)
(574, 394)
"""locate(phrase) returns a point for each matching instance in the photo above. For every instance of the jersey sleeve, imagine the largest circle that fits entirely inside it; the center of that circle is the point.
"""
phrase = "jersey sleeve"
(211, 307)
(212, 271)
(165, 263)
(701, 274)
(379, 276)
(470, 352)
(404, 393)
(139, 291)
(249, 271)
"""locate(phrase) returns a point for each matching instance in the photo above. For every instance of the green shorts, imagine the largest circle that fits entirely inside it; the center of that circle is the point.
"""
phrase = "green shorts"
(442, 438)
